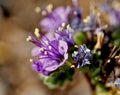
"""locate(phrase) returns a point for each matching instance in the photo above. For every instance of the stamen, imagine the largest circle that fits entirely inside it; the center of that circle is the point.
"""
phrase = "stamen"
(63, 24)
(75, 12)
(76, 46)
(45, 53)
(31, 60)
(28, 38)
(37, 9)
(87, 50)
(57, 53)
(49, 8)
(108, 61)
(49, 47)
(36, 32)
(46, 42)
(72, 66)
(75, 52)
(54, 58)
(85, 20)
(68, 27)
(43, 12)
(60, 29)
(41, 49)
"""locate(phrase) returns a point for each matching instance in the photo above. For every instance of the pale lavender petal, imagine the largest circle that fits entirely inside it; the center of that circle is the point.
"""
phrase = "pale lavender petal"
(55, 19)
(52, 66)
(65, 58)
(35, 51)
(63, 47)
(48, 24)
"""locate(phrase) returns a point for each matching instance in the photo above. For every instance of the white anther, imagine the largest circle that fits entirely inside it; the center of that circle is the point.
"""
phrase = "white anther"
(68, 27)
(60, 28)
(85, 20)
(45, 53)
(49, 47)
(31, 60)
(41, 49)
(43, 12)
(49, 8)
(36, 32)
(63, 24)
(87, 50)
(72, 66)
(46, 42)
(75, 52)
(37, 9)
(75, 12)
(28, 38)
(76, 46)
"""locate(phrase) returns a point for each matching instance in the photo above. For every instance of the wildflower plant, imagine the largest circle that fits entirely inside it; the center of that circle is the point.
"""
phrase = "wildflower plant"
(72, 43)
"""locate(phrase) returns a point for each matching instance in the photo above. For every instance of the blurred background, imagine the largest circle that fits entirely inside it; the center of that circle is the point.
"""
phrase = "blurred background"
(17, 19)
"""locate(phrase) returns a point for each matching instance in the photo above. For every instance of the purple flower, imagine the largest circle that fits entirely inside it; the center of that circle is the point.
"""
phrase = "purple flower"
(75, 18)
(51, 54)
(75, 15)
(113, 13)
(72, 16)
(104, 7)
(90, 25)
(55, 19)
(76, 21)
(82, 56)
(65, 34)
(114, 17)
(117, 82)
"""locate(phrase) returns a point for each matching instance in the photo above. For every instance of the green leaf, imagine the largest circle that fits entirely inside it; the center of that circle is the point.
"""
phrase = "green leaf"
(59, 77)
(116, 38)
(49, 82)
(80, 38)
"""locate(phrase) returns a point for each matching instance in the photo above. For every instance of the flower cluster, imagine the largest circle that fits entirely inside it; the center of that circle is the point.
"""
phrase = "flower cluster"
(113, 11)
(72, 16)
(52, 50)
(82, 56)
(55, 19)
(64, 47)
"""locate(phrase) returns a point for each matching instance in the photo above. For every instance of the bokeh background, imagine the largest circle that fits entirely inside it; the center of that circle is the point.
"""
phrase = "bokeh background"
(17, 19)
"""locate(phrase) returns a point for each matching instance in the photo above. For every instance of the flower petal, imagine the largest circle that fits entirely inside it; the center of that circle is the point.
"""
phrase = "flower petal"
(63, 47)
(35, 51)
